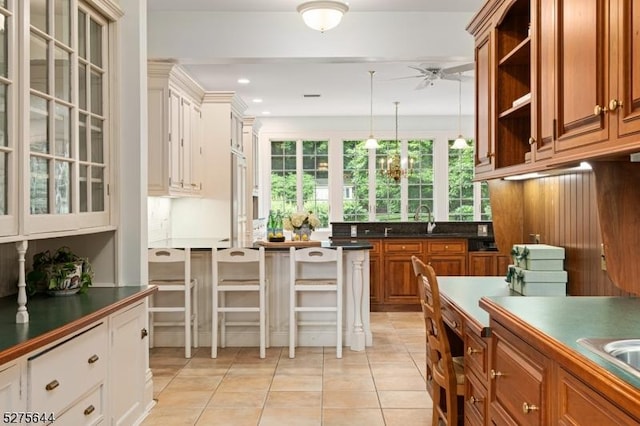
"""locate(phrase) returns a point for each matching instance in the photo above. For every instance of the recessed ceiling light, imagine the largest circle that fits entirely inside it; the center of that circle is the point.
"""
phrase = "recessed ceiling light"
(244, 81)
(257, 101)
(266, 112)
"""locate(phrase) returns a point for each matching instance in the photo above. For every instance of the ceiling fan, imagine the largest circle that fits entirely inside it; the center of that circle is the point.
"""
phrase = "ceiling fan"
(430, 73)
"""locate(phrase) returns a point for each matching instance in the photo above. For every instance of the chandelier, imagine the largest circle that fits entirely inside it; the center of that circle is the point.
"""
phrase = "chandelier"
(391, 168)
(322, 15)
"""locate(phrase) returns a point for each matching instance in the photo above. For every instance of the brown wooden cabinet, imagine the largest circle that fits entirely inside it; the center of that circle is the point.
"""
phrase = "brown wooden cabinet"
(398, 276)
(579, 63)
(487, 263)
(447, 257)
(598, 87)
(519, 376)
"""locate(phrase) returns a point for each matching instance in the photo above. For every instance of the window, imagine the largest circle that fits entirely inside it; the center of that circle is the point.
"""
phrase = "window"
(461, 185)
(355, 207)
(283, 176)
(67, 173)
(315, 179)
(420, 181)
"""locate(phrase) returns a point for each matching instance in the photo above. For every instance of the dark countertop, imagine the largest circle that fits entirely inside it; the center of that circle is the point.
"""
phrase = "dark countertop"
(352, 244)
(566, 319)
(51, 318)
(462, 235)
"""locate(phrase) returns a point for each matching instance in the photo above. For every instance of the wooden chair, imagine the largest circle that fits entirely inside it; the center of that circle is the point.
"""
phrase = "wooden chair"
(327, 281)
(447, 371)
(419, 269)
(167, 281)
(245, 274)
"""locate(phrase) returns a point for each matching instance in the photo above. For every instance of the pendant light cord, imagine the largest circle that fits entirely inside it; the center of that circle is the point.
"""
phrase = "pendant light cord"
(459, 103)
(371, 106)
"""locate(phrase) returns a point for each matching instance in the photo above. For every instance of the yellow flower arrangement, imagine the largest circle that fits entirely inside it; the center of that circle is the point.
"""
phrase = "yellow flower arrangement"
(297, 220)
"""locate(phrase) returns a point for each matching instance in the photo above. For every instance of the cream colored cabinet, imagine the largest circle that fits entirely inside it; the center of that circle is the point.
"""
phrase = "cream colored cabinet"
(126, 362)
(61, 377)
(175, 132)
(10, 397)
(225, 172)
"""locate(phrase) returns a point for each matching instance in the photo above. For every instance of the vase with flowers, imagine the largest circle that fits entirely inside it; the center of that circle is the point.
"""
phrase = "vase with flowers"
(301, 224)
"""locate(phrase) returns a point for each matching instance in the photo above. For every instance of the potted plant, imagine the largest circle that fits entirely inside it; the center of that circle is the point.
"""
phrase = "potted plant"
(59, 273)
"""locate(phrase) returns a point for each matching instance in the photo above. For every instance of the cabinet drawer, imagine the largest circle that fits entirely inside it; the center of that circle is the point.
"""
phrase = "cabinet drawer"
(60, 375)
(475, 400)
(447, 246)
(408, 247)
(517, 380)
(88, 411)
(476, 358)
(452, 319)
(375, 249)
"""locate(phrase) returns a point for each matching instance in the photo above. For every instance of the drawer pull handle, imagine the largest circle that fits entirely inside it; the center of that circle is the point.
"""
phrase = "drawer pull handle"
(527, 408)
(494, 374)
(52, 385)
(143, 333)
(472, 351)
(90, 409)
(474, 400)
(93, 359)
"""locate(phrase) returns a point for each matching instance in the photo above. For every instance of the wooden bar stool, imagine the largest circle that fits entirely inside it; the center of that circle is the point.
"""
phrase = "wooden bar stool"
(177, 259)
(327, 280)
(244, 272)
(448, 371)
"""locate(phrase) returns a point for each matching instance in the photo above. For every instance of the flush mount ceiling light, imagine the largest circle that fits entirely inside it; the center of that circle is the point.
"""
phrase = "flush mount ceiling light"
(460, 142)
(371, 143)
(322, 15)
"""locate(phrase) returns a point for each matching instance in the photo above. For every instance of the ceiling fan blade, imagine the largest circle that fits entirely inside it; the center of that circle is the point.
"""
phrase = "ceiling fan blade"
(404, 78)
(457, 77)
(459, 68)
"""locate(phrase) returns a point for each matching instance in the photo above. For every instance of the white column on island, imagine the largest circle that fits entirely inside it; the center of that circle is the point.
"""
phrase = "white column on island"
(358, 339)
(22, 316)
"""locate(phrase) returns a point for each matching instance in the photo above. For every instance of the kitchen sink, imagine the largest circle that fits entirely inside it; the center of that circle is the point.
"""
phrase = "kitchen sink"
(625, 353)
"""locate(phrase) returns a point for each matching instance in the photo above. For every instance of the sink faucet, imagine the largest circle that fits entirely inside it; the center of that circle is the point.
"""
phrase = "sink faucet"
(386, 231)
(416, 216)
(430, 223)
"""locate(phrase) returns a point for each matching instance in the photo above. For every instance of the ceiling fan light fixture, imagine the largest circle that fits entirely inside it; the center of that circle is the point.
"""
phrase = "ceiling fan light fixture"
(322, 15)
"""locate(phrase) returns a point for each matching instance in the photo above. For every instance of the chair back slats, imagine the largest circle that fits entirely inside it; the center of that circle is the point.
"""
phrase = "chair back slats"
(166, 255)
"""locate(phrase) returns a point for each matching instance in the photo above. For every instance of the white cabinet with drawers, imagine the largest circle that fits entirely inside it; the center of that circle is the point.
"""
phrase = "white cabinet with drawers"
(10, 397)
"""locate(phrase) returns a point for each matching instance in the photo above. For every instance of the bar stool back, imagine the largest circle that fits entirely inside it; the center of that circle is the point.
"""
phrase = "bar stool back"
(188, 286)
(245, 274)
(329, 282)
(447, 370)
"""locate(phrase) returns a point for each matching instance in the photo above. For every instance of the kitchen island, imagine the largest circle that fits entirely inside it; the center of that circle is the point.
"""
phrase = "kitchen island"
(523, 364)
(356, 332)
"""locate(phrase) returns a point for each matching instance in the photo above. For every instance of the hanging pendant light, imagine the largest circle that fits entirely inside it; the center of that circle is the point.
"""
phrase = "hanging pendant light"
(322, 15)
(460, 142)
(392, 167)
(371, 143)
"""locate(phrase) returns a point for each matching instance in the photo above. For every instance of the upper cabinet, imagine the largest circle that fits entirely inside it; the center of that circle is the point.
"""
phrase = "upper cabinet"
(556, 82)
(175, 132)
(598, 84)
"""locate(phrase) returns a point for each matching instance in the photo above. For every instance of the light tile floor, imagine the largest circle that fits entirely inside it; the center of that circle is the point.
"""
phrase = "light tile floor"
(383, 385)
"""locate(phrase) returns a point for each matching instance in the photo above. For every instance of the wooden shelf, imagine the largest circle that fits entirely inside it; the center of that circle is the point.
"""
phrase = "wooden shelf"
(519, 55)
(522, 110)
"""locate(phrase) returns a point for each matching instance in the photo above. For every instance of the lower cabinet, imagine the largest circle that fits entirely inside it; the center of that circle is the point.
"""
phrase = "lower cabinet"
(399, 279)
(518, 377)
(128, 362)
(487, 263)
(93, 376)
(11, 400)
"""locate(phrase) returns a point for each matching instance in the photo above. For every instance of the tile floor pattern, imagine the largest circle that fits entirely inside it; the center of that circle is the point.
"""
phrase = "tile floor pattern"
(383, 385)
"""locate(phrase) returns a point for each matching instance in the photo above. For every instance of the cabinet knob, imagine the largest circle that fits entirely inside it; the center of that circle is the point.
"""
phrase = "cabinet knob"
(474, 400)
(494, 374)
(90, 409)
(471, 351)
(527, 408)
(532, 140)
(614, 104)
(454, 324)
(93, 359)
(143, 333)
(597, 110)
(52, 385)
(489, 154)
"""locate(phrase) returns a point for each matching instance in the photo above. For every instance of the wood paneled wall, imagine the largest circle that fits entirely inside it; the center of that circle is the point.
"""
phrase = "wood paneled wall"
(563, 210)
